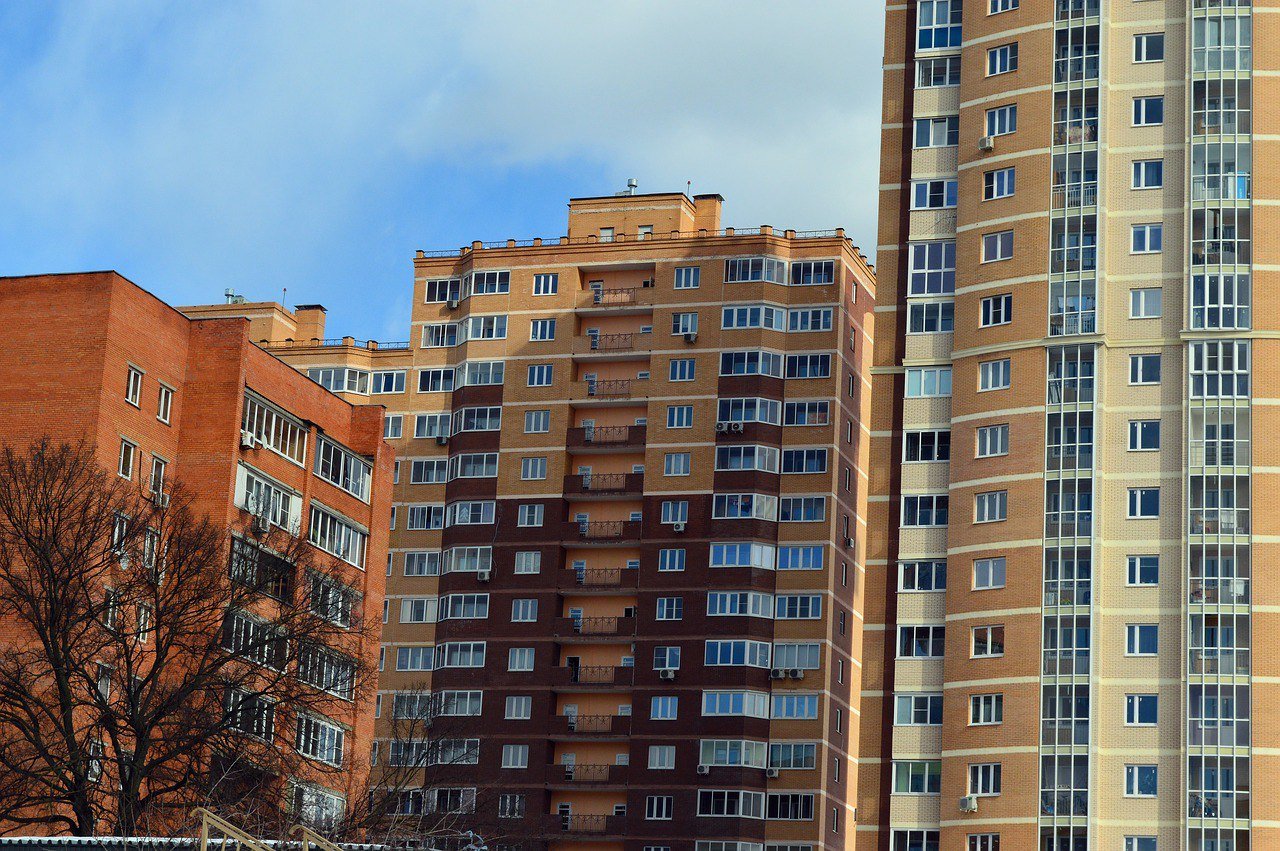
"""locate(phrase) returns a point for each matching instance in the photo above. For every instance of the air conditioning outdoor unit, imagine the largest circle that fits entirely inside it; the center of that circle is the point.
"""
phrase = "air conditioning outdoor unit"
(722, 427)
(736, 427)
(987, 143)
(677, 527)
(482, 575)
(442, 439)
(691, 336)
(704, 769)
(848, 542)
(261, 523)
(771, 772)
(777, 674)
(453, 304)
(248, 440)
(796, 674)
(667, 674)
(160, 499)
(969, 804)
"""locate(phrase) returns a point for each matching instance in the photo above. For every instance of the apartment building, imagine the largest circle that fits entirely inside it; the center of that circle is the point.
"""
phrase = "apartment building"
(1060, 617)
(628, 524)
(92, 358)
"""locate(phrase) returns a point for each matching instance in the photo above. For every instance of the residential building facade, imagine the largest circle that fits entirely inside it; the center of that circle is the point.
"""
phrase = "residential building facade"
(163, 399)
(1069, 367)
(628, 524)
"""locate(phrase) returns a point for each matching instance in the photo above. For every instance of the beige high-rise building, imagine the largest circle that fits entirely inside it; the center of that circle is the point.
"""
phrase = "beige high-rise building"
(1072, 337)
(627, 540)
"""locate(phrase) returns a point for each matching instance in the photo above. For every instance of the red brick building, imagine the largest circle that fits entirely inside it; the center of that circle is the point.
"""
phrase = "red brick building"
(161, 397)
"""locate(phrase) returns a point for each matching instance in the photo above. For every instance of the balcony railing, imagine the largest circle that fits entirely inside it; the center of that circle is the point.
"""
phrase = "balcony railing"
(1078, 592)
(605, 530)
(583, 773)
(1218, 805)
(1075, 195)
(603, 484)
(590, 723)
(1075, 133)
(1219, 521)
(1064, 731)
(1074, 803)
(608, 388)
(1066, 662)
(611, 342)
(1218, 590)
(595, 625)
(1233, 186)
(591, 675)
(1211, 660)
(1070, 69)
(614, 297)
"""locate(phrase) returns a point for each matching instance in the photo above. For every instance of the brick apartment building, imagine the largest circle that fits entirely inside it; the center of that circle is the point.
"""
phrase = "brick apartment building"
(1072, 342)
(629, 522)
(162, 399)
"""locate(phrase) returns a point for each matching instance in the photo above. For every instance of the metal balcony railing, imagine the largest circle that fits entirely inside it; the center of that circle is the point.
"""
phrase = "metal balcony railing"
(611, 342)
(611, 387)
(617, 296)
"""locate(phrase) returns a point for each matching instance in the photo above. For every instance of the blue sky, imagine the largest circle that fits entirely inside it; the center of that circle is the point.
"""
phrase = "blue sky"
(314, 146)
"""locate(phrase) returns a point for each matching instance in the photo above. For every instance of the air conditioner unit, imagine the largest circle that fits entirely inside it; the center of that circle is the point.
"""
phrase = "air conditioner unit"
(160, 499)
(771, 772)
(453, 304)
(777, 674)
(667, 674)
(969, 804)
(848, 542)
(442, 439)
(248, 440)
(987, 143)
(691, 336)
(796, 674)
(261, 523)
(483, 575)
(722, 427)
(677, 527)
(736, 427)
(704, 769)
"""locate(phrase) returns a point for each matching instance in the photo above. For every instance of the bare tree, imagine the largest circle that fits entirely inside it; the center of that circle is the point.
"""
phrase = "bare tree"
(154, 659)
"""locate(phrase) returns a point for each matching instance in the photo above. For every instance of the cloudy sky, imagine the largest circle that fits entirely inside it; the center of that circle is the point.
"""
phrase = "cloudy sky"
(314, 146)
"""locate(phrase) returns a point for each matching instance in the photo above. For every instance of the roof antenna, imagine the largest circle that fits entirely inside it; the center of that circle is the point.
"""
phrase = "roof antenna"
(688, 188)
(284, 297)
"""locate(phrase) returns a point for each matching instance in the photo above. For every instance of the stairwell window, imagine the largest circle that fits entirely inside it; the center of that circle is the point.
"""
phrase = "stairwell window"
(133, 387)
(1148, 111)
(1146, 303)
(1147, 239)
(1002, 59)
(920, 642)
(1141, 639)
(997, 246)
(994, 375)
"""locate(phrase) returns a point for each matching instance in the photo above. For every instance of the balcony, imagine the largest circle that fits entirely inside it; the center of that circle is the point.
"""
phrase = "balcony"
(1065, 10)
(591, 725)
(1075, 132)
(607, 389)
(1064, 803)
(1075, 195)
(604, 485)
(585, 826)
(594, 626)
(1219, 591)
(606, 439)
(586, 775)
(1214, 661)
(1219, 521)
(598, 579)
(602, 676)
(1064, 732)
(1222, 187)
(1073, 69)
(1066, 662)
(612, 344)
(603, 532)
(1068, 592)
(614, 296)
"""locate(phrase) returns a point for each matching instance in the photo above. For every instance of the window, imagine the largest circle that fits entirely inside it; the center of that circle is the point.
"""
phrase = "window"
(789, 806)
(511, 806)
(1144, 435)
(991, 506)
(993, 441)
(996, 310)
(1002, 120)
(684, 323)
(680, 416)
(670, 608)
(393, 426)
(988, 641)
(1144, 369)
(1148, 174)
(537, 422)
(934, 317)
(1147, 239)
(1148, 111)
(924, 510)
(460, 654)
(337, 536)
(1002, 59)
(164, 404)
(540, 375)
(986, 709)
(741, 316)
(934, 194)
(1144, 502)
(928, 381)
(431, 425)
(686, 277)
(804, 319)
(520, 659)
(529, 515)
(793, 755)
(798, 607)
(988, 573)
(251, 714)
(933, 268)
(917, 777)
(1141, 710)
(342, 467)
(997, 246)
(1139, 843)
(320, 739)
(528, 562)
(995, 7)
(1140, 781)
(658, 807)
(938, 24)
(994, 374)
(666, 658)
(941, 132)
(515, 756)
(915, 839)
(736, 653)
(915, 710)
(730, 803)
(920, 642)
(389, 381)
(922, 575)
(662, 757)
(133, 387)
(792, 705)
(664, 708)
(481, 373)
(984, 778)
(524, 611)
(1146, 303)
(1148, 47)
(938, 72)
(809, 366)
(671, 560)
(925, 446)
(747, 457)
(997, 184)
(1141, 639)
(676, 464)
(533, 469)
(486, 283)
(742, 269)
(675, 511)
(1144, 570)
(546, 284)
(682, 369)
(128, 452)
(415, 658)
(541, 330)
(435, 380)
(984, 842)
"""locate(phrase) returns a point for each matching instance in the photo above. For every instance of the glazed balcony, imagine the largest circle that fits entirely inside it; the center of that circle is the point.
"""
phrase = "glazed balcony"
(591, 627)
(596, 439)
(600, 676)
(604, 485)
(598, 579)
